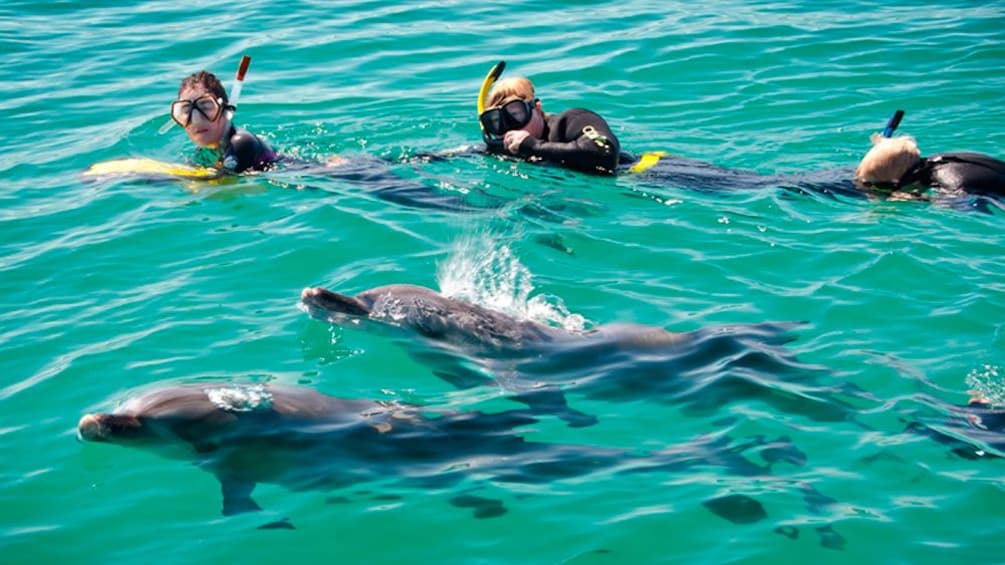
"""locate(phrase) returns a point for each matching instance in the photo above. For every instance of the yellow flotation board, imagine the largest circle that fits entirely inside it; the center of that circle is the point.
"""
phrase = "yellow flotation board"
(647, 161)
(143, 167)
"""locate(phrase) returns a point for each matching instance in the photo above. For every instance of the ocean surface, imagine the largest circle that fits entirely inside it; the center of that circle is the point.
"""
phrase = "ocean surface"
(114, 285)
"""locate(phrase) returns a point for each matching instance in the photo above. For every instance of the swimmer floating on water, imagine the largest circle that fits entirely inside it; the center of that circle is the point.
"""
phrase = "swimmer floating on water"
(895, 164)
(513, 121)
(206, 113)
(203, 109)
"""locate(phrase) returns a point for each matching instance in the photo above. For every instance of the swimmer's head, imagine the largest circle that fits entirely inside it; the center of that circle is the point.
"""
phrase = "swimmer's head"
(510, 89)
(207, 81)
(888, 160)
(511, 105)
(201, 108)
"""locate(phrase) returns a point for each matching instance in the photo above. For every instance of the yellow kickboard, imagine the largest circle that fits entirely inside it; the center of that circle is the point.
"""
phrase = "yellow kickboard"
(150, 167)
(647, 161)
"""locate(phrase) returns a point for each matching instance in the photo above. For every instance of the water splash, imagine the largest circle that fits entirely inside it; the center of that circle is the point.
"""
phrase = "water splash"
(240, 399)
(483, 269)
(986, 382)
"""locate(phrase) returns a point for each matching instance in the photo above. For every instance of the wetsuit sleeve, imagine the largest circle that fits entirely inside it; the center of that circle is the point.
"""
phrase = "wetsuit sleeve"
(247, 151)
(970, 172)
(578, 139)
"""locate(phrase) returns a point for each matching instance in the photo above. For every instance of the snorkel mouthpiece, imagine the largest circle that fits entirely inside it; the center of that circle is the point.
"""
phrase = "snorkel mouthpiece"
(483, 96)
(893, 123)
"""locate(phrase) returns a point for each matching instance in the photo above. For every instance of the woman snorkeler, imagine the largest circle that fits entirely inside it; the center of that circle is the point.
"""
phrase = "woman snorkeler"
(205, 112)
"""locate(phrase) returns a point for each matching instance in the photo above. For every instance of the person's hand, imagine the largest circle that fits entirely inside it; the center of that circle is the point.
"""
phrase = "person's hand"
(513, 139)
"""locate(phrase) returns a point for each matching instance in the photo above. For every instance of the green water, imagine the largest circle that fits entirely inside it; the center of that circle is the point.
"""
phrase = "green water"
(115, 285)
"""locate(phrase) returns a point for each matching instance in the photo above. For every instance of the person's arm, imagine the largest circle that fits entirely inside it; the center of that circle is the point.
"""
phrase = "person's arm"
(582, 141)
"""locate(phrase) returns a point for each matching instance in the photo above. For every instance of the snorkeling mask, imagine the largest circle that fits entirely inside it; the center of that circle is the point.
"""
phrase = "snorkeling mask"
(209, 106)
(510, 116)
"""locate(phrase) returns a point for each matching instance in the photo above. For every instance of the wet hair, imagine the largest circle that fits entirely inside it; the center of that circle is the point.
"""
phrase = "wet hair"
(208, 81)
(509, 89)
(888, 160)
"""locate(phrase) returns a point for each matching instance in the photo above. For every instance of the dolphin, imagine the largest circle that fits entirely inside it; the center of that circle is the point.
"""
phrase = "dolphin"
(703, 368)
(972, 431)
(302, 439)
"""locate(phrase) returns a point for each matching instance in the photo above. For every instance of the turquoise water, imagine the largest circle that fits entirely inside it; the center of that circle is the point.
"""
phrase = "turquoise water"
(119, 284)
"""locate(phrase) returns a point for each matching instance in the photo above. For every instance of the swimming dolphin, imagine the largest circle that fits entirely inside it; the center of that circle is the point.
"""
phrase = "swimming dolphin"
(972, 431)
(703, 368)
(302, 439)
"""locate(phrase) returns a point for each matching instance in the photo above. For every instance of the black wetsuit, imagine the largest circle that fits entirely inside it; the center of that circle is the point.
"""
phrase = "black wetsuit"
(578, 139)
(958, 172)
(242, 151)
(694, 174)
(950, 174)
(581, 140)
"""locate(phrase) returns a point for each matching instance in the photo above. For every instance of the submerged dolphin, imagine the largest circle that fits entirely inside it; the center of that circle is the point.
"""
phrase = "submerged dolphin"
(704, 368)
(972, 431)
(302, 439)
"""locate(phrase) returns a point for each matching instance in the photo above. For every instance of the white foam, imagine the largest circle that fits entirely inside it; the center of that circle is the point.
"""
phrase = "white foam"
(986, 381)
(240, 398)
(484, 270)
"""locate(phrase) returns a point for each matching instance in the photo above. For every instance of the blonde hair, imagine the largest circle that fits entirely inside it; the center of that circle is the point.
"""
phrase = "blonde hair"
(510, 88)
(888, 160)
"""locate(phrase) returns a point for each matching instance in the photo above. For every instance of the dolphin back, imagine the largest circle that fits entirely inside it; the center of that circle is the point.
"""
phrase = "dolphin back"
(470, 326)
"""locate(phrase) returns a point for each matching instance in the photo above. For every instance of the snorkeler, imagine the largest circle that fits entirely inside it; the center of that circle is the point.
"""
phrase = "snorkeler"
(514, 122)
(203, 109)
(206, 113)
(895, 164)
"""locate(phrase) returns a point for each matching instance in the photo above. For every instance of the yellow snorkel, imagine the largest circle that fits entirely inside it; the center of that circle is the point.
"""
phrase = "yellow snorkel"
(483, 96)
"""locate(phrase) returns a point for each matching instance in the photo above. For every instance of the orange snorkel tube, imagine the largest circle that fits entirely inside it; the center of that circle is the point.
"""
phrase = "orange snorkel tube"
(235, 92)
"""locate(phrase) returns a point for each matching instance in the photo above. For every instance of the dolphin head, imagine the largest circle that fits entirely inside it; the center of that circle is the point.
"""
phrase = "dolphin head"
(332, 306)
(162, 417)
(109, 427)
